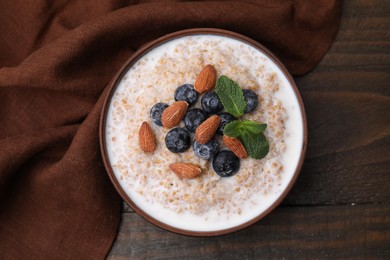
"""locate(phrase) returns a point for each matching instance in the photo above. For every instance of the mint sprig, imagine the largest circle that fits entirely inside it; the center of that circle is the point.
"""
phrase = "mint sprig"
(237, 128)
(255, 144)
(251, 135)
(231, 96)
(249, 132)
(233, 129)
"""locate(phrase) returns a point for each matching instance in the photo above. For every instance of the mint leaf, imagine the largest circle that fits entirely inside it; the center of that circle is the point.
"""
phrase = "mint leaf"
(250, 132)
(237, 128)
(231, 96)
(253, 127)
(232, 129)
(255, 144)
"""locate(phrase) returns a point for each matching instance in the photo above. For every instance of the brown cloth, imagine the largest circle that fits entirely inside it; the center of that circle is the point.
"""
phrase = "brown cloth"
(56, 59)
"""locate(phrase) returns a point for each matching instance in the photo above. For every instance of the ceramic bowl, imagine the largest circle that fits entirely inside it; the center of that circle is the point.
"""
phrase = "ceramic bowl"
(114, 176)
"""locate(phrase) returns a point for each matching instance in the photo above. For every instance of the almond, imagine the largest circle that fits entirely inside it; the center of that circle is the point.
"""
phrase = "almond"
(173, 114)
(185, 170)
(235, 146)
(206, 79)
(207, 129)
(147, 139)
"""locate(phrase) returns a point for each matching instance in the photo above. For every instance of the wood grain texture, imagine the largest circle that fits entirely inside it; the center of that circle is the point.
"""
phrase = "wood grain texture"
(353, 232)
(347, 99)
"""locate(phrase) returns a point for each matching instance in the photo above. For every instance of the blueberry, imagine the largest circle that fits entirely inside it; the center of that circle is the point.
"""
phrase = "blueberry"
(178, 140)
(251, 100)
(226, 164)
(210, 103)
(226, 118)
(205, 151)
(156, 111)
(193, 118)
(186, 93)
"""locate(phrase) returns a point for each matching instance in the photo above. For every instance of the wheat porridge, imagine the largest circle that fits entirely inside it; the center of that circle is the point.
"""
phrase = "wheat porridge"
(208, 202)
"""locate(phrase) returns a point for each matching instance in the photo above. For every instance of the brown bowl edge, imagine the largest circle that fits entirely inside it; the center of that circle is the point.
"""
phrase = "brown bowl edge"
(117, 78)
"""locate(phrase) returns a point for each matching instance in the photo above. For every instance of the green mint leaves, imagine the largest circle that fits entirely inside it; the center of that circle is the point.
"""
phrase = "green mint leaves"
(249, 132)
(237, 128)
(233, 129)
(255, 144)
(231, 96)
(251, 135)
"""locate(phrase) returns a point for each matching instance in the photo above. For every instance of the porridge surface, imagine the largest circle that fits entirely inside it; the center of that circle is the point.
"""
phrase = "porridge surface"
(207, 202)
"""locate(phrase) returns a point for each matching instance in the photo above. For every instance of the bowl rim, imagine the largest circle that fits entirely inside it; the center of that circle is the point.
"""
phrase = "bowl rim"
(130, 62)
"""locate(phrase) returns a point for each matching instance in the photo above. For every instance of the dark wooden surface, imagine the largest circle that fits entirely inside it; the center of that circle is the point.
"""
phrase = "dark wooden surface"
(340, 205)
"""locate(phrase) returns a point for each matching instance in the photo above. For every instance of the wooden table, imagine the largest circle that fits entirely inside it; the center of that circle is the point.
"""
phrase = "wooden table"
(340, 205)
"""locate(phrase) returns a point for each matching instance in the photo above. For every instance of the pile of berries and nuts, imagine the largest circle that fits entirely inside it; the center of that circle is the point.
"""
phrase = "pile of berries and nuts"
(205, 122)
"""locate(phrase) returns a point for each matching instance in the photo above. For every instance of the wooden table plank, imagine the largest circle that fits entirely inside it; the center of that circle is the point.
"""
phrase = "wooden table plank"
(288, 232)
